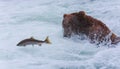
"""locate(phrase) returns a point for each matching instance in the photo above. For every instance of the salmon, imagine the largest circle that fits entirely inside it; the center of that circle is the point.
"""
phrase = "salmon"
(32, 41)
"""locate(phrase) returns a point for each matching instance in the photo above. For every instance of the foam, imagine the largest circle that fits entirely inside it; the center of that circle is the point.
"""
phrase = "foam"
(22, 19)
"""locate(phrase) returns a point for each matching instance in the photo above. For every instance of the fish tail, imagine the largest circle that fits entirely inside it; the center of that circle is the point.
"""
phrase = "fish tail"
(47, 40)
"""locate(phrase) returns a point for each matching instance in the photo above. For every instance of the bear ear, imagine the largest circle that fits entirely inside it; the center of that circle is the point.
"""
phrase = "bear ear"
(81, 13)
(64, 15)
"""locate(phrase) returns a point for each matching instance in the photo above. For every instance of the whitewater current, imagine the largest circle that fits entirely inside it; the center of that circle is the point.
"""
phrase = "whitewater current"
(21, 19)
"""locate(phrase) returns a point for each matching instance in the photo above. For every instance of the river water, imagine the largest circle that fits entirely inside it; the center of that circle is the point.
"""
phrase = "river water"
(21, 19)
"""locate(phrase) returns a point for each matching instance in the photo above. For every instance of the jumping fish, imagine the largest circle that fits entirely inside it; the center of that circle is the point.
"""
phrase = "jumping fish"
(32, 41)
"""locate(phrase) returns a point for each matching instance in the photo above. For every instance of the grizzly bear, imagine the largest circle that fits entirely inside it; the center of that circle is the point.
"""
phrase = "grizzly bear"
(95, 30)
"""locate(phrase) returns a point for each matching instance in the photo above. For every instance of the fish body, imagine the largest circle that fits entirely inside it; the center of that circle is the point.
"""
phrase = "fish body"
(32, 41)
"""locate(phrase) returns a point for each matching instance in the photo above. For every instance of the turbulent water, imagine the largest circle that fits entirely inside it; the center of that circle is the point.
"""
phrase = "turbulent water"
(21, 19)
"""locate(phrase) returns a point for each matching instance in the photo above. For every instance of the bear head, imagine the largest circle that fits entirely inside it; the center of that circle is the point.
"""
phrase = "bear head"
(74, 21)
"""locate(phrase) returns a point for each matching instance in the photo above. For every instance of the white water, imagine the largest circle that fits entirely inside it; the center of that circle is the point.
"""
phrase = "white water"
(20, 19)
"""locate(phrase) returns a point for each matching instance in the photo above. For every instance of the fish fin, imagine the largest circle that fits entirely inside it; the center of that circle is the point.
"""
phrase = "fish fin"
(47, 40)
(33, 45)
(31, 37)
(39, 44)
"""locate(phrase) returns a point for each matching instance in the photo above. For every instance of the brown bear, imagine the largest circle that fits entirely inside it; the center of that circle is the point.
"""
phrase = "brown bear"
(79, 23)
